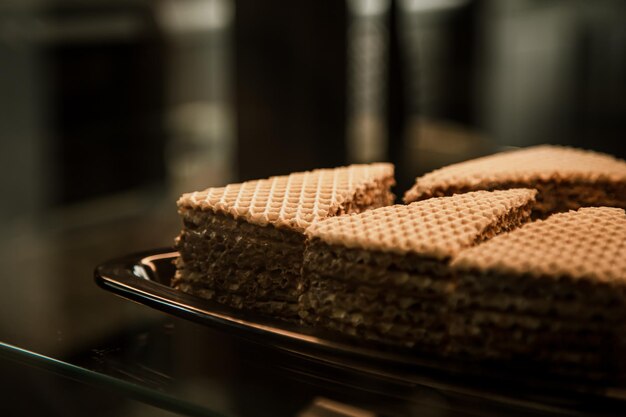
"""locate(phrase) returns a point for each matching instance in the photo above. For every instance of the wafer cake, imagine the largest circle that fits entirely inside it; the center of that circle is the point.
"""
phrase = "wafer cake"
(383, 275)
(566, 178)
(242, 244)
(551, 294)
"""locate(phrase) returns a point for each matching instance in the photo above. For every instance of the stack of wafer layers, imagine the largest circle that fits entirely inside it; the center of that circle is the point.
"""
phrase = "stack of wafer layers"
(551, 293)
(242, 244)
(383, 275)
(565, 178)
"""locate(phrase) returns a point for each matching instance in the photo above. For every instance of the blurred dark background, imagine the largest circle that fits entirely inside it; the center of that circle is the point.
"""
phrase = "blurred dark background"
(109, 110)
(111, 96)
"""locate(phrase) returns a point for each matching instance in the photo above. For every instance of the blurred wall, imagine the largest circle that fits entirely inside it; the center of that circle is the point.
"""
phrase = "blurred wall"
(118, 96)
(290, 60)
(553, 71)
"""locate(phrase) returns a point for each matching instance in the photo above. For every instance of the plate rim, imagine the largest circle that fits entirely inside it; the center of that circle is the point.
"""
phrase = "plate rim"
(114, 276)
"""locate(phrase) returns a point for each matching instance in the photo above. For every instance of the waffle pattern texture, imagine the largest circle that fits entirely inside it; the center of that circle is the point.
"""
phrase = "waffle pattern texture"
(546, 163)
(586, 244)
(293, 201)
(438, 227)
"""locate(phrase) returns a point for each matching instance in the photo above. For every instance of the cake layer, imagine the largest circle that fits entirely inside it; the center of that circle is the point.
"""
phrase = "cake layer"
(539, 349)
(541, 296)
(222, 243)
(578, 307)
(392, 334)
(536, 285)
(284, 309)
(552, 291)
(385, 300)
(297, 200)
(410, 273)
(587, 246)
(585, 353)
(437, 228)
(487, 322)
(249, 284)
(336, 300)
(565, 178)
(243, 263)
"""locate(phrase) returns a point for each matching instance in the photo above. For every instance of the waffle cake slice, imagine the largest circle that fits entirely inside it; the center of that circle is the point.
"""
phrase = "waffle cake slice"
(566, 178)
(383, 275)
(242, 244)
(550, 295)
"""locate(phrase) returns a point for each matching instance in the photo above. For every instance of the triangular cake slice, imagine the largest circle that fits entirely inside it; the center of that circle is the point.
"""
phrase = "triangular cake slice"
(566, 178)
(383, 275)
(242, 244)
(552, 293)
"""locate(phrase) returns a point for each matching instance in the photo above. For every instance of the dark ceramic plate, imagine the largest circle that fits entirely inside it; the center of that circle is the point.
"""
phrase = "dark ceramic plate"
(145, 278)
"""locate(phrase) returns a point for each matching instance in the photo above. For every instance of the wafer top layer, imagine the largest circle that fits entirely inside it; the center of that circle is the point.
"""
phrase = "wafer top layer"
(438, 227)
(293, 201)
(588, 243)
(539, 163)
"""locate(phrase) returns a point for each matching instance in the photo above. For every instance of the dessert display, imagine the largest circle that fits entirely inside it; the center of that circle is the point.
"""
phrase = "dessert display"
(551, 293)
(242, 244)
(383, 275)
(565, 178)
(518, 257)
